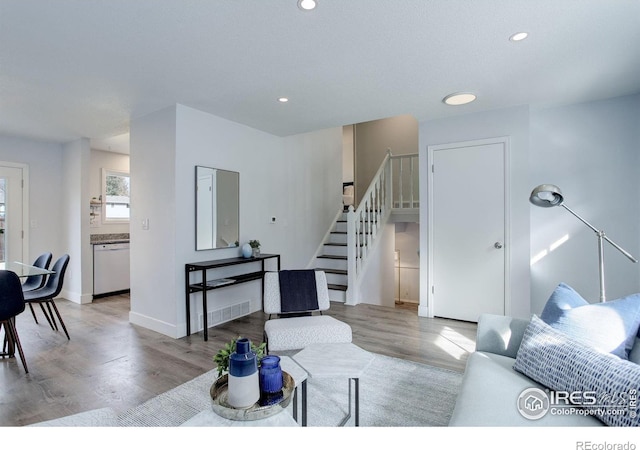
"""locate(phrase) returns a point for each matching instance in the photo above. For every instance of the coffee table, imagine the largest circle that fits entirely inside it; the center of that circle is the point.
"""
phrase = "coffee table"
(339, 360)
(209, 418)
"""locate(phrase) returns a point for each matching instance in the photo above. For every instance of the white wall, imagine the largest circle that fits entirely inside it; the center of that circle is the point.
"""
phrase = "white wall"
(407, 268)
(372, 141)
(297, 179)
(78, 286)
(44, 161)
(105, 160)
(377, 284)
(347, 154)
(511, 122)
(592, 152)
(153, 197)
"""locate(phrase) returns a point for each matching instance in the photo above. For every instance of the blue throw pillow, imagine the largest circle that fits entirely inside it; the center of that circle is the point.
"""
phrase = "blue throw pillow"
(561, 363)
(609, 326)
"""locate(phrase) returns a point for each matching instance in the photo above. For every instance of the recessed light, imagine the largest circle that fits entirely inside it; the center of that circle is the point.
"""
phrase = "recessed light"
(461, 98)
(307, 5)
(519, 36)
(283, 99)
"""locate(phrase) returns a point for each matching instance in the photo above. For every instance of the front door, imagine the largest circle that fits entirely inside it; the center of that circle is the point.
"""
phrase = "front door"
(11, 214)
(468, 223)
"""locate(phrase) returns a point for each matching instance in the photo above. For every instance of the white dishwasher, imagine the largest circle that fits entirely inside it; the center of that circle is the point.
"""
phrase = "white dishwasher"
(110, 268)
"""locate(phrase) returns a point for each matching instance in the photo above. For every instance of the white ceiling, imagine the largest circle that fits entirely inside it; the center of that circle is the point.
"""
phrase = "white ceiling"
(85, 68)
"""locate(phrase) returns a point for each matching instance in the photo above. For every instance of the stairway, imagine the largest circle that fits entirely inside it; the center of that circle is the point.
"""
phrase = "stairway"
(348, 246)
(333, 260)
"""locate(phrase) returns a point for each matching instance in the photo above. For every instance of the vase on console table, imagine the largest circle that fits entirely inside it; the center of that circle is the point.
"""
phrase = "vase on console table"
(243, 381)
(247, 251)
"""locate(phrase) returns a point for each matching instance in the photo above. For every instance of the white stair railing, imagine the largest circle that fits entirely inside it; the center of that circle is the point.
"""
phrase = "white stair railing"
(364, 223)
(404, 186)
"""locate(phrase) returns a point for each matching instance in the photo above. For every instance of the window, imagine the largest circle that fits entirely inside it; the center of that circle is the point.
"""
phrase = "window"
(115, 195)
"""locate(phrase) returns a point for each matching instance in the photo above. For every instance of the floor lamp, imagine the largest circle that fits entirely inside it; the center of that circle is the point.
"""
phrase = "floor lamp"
(548, 195)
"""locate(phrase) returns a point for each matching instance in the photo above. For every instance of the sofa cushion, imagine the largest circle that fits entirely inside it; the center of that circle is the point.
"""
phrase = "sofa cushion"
(564, 364)
(610, 326)
(489, 394)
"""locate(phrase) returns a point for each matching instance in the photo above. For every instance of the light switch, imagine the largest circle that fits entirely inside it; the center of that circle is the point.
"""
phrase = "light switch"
(145, 224)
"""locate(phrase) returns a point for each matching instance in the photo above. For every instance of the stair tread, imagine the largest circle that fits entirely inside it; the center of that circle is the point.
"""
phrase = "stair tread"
(338, 244)
(333, 271)
(332, 257)
(338, 232)
(337, 287)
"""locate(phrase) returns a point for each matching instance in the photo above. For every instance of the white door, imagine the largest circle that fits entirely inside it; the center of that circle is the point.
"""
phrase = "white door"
(11, 214)
(468, 229)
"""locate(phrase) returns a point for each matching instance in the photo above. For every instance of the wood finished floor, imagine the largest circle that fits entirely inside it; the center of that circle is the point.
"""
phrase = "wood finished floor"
(110, 362)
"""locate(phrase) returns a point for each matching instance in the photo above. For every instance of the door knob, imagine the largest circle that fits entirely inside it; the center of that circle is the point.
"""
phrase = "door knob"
(498, 245)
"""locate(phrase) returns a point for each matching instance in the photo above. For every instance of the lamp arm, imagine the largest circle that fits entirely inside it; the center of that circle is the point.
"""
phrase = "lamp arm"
(601, 234)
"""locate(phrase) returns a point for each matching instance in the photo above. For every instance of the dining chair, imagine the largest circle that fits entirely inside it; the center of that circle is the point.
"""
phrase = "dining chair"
(37, 281)
(11, 304)
(52, 288)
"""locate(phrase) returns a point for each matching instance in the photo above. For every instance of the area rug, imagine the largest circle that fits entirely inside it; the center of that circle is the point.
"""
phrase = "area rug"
(393, 393)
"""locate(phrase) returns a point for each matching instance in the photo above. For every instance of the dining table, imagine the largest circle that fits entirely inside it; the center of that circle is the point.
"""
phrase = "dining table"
(23, 271)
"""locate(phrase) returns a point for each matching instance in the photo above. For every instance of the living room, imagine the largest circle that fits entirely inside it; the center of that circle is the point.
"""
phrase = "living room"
(586, 145)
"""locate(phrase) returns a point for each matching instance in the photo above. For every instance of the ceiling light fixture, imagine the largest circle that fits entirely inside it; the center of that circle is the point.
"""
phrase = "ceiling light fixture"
(307, 5)
(460, 98)
(283, 99)
(519, 36)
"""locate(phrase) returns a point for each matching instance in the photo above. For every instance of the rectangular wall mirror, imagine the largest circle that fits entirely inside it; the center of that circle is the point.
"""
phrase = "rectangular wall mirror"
(217, 208)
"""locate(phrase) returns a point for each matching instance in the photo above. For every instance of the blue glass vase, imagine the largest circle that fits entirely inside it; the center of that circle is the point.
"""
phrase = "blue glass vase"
(271, 380)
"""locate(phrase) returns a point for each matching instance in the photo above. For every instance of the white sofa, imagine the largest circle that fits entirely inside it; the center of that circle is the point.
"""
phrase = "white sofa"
(491, 386)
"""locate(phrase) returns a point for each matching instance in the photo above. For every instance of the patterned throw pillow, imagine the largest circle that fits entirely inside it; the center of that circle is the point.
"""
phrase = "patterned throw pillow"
(610, 326)
(561, 363)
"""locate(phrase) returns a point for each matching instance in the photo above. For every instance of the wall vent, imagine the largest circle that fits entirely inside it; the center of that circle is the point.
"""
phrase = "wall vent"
(225, 314)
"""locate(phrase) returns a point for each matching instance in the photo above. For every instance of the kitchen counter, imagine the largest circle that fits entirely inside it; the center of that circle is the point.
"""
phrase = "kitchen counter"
(113, 238)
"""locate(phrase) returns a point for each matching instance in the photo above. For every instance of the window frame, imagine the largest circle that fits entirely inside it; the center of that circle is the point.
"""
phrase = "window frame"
(113, 173)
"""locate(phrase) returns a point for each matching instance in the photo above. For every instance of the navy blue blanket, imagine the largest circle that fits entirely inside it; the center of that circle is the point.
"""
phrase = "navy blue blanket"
(298, 291)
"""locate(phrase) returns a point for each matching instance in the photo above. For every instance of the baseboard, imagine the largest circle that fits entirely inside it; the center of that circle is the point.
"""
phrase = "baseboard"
(154, 325)
(75, 297)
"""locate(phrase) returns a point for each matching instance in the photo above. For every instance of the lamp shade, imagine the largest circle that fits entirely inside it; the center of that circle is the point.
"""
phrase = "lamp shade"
(546, 196)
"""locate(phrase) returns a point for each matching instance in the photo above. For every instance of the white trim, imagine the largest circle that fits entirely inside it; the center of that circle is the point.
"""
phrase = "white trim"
(158, 326)
(26, 226)
(103, 190)
(426, 292)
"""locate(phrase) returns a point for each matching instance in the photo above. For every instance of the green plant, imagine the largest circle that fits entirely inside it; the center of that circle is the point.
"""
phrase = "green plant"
(254, 243)
(222, 357)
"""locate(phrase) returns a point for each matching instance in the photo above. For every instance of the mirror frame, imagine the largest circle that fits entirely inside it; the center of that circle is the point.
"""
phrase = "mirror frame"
(215, 204)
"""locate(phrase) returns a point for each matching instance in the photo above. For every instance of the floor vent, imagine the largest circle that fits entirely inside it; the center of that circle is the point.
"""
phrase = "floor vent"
(225, 314)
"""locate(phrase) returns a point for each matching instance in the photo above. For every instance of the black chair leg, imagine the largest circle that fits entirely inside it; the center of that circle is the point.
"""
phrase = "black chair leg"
(59, 317)
(5, 340)
(13, 337)
(33, 313)
(48, 317)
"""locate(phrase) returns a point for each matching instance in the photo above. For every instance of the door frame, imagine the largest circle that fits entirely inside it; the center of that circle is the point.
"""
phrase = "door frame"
(504, 141)
(25, 205)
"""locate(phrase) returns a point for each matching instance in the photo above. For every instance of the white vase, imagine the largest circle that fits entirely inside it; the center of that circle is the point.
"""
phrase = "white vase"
(243, 379)
(247, 251)
(244, 392)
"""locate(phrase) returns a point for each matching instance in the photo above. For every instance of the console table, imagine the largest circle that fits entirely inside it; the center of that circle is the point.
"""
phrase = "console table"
(203, 286)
